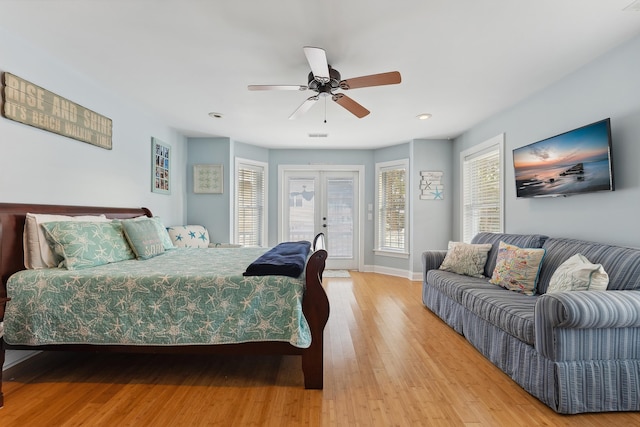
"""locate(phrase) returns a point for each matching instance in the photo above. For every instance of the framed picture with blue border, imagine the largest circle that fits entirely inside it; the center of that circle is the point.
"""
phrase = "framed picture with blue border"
(160, 166)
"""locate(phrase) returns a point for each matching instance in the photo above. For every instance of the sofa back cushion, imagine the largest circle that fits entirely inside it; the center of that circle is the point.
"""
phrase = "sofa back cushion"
(520, 240)
(622, 264)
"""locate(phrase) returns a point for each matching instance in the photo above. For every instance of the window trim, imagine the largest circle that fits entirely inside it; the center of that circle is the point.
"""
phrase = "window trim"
(497, 142)
(240, 163)
(380, 167)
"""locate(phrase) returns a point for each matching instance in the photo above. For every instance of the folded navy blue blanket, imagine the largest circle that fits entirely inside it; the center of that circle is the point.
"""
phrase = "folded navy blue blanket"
(285, 259)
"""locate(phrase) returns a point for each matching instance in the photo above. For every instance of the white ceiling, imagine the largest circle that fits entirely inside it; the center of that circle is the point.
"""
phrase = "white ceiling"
(460, 60)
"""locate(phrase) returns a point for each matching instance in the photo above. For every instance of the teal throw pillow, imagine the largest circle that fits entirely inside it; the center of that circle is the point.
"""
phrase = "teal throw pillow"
(143, 236)
(162, 230)
(87, 244)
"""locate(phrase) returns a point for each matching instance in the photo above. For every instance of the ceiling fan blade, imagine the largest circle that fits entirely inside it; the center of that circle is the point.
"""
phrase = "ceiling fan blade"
(352, 106)
(304, 107)
(317, 59)
(390, 78)
(276, 87)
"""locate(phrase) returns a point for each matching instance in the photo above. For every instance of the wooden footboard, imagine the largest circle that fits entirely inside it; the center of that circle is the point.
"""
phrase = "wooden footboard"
(315, 304)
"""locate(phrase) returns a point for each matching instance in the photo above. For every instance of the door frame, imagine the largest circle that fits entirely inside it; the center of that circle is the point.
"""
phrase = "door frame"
(359, 169)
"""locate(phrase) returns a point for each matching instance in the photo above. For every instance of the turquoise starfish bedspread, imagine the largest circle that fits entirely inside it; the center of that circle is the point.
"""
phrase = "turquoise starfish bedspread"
(185, 296)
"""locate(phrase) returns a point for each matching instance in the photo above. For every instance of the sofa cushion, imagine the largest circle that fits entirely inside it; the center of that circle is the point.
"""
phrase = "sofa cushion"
(453, 285)
(517, 268)
(466, 259)
(578, 274)
(521, 240)
(510, 311)
(621, 263)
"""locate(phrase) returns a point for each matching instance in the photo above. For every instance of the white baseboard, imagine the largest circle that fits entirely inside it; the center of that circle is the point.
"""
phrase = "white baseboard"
(397, 272)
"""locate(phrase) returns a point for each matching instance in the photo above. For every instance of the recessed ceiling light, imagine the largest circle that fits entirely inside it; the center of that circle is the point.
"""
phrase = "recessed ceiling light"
(215, 115)
(424, 116)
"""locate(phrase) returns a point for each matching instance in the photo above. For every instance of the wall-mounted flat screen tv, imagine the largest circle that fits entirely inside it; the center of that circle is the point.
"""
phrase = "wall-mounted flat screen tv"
(575, 162)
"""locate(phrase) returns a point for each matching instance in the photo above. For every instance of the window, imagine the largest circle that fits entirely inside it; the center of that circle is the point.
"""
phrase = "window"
(482, 188)
(250, 213)
(392, 197)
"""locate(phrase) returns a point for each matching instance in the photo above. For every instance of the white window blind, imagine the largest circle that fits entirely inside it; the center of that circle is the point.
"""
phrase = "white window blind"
(482, 191)
(250, 204)
(392, 227)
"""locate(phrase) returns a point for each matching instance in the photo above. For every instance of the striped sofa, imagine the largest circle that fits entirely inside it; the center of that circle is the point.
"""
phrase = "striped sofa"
(575, 351)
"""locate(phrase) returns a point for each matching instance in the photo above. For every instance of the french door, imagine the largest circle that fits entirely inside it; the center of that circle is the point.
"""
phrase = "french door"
(327, 201)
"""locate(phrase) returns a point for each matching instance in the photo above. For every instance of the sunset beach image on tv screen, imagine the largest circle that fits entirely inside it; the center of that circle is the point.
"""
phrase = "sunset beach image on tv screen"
(578, 161)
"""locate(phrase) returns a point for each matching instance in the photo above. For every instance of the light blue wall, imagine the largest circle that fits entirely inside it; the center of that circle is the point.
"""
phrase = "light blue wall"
(249, 152)
(431, 220)
(607, 87)
(42, 167)
(210, 210)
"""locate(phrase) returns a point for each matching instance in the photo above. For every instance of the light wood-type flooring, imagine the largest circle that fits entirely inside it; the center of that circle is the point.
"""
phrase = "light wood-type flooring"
(388, 362)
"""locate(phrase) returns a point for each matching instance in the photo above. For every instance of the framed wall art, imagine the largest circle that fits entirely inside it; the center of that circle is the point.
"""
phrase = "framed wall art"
(431, 186)
(160, 167)
(207, 179)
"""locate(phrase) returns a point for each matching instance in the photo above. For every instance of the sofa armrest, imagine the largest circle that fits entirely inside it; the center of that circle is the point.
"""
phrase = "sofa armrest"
(431, 260)
(587, 325)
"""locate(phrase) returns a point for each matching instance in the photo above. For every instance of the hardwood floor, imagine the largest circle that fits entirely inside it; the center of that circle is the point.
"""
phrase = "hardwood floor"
(388, 361)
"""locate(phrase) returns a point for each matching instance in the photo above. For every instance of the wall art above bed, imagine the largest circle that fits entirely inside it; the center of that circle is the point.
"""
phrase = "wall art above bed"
(32, 105)
(160, 167)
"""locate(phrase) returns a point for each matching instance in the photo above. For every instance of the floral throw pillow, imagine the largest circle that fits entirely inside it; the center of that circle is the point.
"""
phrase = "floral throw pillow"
(517, 268)
(465, 258)
(87, 244)
(578, 274)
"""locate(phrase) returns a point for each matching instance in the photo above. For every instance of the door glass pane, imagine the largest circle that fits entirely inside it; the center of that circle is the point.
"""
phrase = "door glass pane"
(301, 209)
(340, 213)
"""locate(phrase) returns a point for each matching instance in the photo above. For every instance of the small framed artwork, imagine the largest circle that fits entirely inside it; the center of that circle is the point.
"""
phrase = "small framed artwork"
(207, 179)
(160, 167)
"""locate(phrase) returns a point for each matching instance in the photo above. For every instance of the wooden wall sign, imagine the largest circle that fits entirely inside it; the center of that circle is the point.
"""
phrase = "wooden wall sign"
(32, 105)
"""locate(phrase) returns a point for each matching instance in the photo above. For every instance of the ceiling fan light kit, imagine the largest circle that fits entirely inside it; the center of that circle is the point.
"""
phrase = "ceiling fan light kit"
(324, 79)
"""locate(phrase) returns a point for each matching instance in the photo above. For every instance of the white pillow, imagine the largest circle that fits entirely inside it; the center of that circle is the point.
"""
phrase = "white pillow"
(189, 236)
(578, 274)
(37, 253)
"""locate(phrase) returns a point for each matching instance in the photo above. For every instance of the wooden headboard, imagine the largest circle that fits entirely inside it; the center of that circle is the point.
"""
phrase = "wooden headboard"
(12, 219)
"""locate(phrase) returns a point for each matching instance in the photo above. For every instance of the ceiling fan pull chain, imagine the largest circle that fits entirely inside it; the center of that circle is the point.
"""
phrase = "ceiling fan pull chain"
(325, 109)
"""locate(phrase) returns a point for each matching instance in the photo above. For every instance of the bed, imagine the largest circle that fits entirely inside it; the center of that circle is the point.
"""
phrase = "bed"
(185, 300)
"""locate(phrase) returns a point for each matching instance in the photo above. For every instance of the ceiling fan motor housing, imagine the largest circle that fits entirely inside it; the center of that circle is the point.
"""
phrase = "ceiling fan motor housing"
(325, 88)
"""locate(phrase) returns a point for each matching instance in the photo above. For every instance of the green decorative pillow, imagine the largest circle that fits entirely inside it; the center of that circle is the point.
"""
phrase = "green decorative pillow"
(162, 230)
(465, 258)
(143, 236)
(578, 274)
(164, 234)
(87, 244)
(517, 268)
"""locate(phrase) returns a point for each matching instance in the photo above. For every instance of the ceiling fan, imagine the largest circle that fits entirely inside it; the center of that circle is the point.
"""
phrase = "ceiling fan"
(324, 79)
